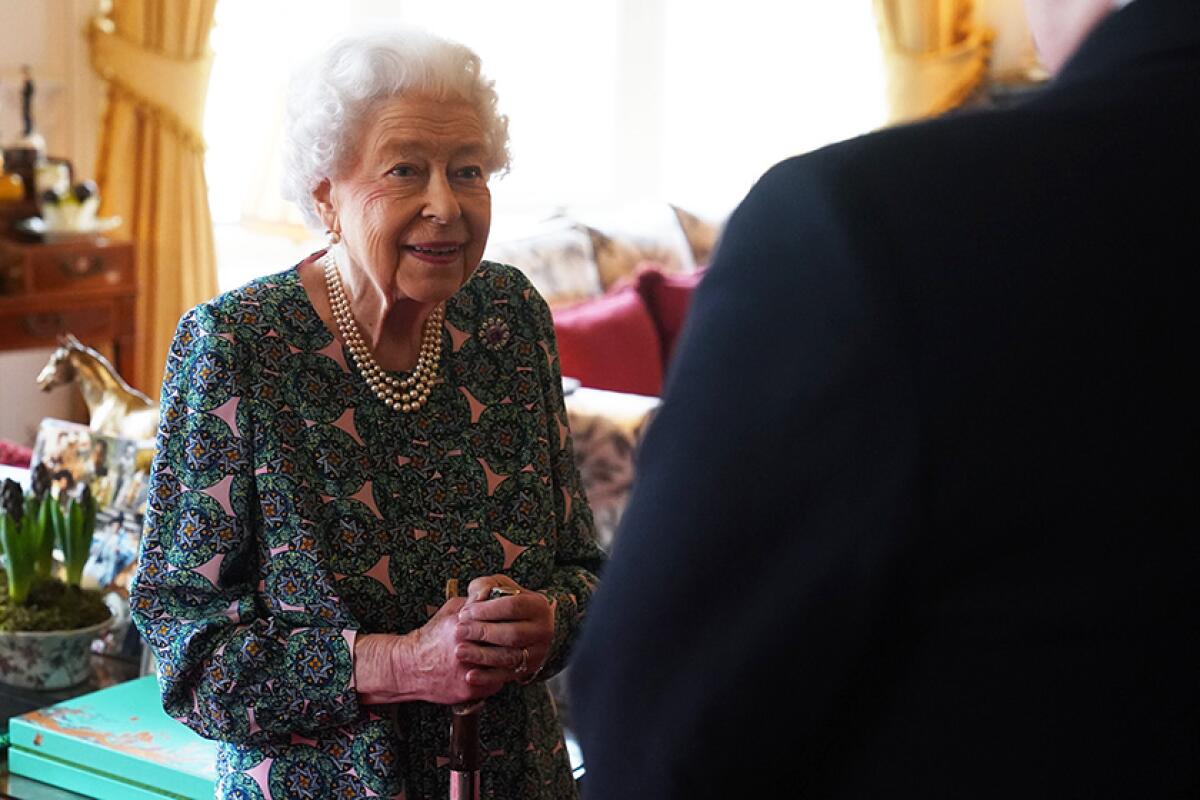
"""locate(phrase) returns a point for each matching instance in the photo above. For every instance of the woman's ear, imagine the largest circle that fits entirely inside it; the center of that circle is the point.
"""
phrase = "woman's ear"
(322, 197)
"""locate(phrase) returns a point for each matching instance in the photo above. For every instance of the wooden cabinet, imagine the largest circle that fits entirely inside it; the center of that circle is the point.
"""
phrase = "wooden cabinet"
(87, 288)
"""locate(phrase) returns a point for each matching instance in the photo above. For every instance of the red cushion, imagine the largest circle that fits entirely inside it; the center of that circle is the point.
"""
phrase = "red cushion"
(668, 296)
(14, 455)
(610, 343)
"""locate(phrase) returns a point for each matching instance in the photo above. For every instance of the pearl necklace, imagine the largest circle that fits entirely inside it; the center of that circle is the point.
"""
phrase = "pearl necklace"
(401, 394)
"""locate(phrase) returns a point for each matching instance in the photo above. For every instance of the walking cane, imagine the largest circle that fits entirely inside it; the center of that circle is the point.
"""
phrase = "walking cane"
(465, 756)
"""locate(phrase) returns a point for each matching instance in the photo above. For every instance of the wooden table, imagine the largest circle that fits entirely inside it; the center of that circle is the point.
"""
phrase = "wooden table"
(86, 287)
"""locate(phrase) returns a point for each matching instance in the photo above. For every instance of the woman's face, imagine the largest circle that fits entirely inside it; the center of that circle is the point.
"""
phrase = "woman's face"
(413, 205)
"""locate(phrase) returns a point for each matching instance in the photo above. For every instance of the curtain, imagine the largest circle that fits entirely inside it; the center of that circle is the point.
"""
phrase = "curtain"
(935, 53)
(155, 57)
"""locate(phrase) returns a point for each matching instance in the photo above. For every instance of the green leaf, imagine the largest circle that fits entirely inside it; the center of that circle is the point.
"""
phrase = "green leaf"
(43, 532)
(78, 541)
(57, 532)
(19, 551)
(7, 524)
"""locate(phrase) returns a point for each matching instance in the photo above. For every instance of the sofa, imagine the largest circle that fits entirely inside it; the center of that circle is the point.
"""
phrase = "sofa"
(618, 284)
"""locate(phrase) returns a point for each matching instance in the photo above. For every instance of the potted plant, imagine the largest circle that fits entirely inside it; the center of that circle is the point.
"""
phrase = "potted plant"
(47, 623)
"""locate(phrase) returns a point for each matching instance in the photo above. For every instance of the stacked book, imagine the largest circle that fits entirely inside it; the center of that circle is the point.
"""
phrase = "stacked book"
(113, 744)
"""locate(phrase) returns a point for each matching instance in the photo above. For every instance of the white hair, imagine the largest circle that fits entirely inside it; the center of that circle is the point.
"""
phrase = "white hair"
(330, 97)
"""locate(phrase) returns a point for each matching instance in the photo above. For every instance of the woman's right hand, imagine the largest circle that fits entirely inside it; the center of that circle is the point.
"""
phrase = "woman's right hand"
(421, 665)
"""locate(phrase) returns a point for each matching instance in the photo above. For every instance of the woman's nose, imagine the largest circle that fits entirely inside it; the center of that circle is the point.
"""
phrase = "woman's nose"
(441, 204)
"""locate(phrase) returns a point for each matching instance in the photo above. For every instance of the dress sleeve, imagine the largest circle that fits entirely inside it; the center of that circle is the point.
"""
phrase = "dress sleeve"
(578, 557)
(232, 664)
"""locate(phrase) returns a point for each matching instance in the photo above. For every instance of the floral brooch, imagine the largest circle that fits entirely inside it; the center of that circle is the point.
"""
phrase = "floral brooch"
(494, 333)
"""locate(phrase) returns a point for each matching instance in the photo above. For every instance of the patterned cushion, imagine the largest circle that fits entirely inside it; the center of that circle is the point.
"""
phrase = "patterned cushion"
(701, 234)
(556, 256)
(636, 233)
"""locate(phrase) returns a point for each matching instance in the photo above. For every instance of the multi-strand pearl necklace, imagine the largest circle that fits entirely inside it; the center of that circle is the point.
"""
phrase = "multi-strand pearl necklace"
(402, 394)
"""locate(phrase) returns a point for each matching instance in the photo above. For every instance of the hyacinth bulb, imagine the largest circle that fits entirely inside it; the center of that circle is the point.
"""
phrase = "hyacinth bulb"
(13, 499)
(39, 481)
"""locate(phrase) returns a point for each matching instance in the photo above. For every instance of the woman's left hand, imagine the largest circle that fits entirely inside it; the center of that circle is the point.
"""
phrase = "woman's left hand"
(510, 633)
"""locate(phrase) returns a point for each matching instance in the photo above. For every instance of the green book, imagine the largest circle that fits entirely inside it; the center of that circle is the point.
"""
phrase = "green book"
(113, 744)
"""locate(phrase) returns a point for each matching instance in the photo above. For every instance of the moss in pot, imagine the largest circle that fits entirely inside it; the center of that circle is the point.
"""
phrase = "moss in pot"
(47, 623)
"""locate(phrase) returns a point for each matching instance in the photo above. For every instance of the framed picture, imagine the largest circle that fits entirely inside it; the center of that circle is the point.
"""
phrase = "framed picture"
(117, 471)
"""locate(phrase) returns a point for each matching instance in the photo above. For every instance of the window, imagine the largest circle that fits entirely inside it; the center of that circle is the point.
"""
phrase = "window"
(610, 101)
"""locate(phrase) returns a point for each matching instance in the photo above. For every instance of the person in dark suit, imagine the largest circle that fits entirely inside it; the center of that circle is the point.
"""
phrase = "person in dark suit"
(918, 515)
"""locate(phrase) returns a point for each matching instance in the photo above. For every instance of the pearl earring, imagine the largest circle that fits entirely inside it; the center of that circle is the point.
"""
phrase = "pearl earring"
(333, 237)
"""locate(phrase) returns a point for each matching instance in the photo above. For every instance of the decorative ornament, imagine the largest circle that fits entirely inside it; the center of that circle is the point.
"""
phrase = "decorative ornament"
(494, 333)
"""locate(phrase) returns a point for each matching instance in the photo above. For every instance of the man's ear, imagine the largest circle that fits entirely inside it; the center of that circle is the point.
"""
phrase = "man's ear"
(322, 197)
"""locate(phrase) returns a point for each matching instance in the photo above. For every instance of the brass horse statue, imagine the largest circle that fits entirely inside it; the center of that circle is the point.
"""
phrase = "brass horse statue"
(115, 408)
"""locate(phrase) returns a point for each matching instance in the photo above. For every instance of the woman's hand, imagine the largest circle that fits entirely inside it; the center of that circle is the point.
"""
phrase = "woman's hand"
(505, 638)
(422, 665)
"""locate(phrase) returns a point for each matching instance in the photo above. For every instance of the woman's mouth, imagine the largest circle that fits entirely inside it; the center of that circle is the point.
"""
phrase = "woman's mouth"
(435, 252)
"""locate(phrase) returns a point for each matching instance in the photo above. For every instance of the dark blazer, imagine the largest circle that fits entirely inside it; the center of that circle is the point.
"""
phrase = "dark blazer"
(918, 516)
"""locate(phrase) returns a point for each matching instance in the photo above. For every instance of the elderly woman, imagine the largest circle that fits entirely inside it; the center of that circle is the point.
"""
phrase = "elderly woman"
(341, 438)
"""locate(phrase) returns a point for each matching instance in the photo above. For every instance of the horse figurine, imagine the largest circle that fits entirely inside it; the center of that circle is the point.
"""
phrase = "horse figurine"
(114, 407)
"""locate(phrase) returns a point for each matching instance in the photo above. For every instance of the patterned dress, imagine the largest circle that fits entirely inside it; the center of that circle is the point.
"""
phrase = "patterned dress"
(289, 509)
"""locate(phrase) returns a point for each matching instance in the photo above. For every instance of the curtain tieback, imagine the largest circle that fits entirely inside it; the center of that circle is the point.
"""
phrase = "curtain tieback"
(923, 84)
(171, 89)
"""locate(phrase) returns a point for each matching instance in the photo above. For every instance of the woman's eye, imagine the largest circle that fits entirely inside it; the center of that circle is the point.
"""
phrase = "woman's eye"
(402, 171)
(470, 172)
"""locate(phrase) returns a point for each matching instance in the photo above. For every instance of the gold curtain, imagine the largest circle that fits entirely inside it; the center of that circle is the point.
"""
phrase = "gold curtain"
(935, 54)
(155, 57)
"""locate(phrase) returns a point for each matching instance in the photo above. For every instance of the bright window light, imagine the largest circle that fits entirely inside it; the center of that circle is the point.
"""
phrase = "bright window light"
(610, 101)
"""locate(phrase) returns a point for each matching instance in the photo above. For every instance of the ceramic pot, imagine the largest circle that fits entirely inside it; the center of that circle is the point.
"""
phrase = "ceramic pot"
(48, 659)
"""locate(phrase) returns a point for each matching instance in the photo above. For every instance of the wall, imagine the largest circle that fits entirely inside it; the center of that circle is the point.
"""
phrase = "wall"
(49, 36)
